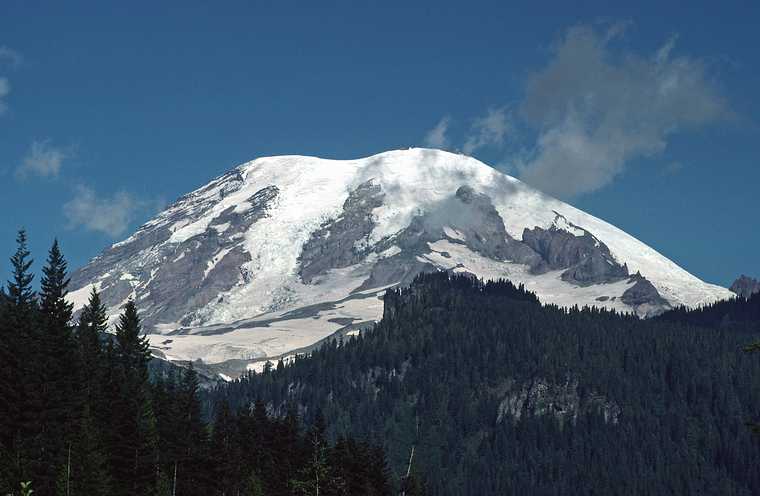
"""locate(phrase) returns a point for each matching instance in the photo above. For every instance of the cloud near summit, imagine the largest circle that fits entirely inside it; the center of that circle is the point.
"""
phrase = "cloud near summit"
(108, 214)
(12, 58)
(594, 107)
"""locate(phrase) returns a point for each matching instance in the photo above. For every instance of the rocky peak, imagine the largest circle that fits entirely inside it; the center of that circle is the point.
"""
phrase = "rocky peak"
(745, 286)
(586, 259)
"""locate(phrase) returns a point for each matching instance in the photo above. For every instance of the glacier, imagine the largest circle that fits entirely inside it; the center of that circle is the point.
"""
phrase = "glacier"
(282, 252)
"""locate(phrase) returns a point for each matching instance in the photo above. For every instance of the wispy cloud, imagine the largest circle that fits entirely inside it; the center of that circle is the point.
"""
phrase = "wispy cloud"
(107, 214)
(10, 56)
(596, 108)
(436, 137)
(488, 130)
(13, 58)
(5, 88)
(43, 159)
(672, 168)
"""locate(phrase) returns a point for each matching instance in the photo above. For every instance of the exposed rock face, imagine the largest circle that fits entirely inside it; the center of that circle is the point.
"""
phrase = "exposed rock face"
(587, 260)
(467, 218)
(644, 297)
(483, 229)
(176, 279)
(470, 218)
(745, 286)
(563, 401)
(338, 243)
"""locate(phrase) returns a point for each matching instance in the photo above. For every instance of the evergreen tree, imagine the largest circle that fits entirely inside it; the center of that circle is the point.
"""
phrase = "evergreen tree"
(93, 323)
(18, 351)
(134, 443)
(318, 476)
(253, 486)
(20, 291)
(192, 438)
(87, 461)
(224, 451)
(57, 371)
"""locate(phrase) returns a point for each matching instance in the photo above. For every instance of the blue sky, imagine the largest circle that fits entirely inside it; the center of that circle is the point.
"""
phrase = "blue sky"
(645, 114)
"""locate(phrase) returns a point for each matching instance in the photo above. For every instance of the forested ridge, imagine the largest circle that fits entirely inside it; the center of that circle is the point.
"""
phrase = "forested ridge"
(79, 415)
(464, 387)
(498, 394)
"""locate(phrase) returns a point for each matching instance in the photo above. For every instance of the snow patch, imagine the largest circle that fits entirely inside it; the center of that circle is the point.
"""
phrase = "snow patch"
(454, 234)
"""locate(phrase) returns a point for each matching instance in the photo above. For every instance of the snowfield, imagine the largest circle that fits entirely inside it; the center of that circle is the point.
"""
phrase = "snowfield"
(257, 316)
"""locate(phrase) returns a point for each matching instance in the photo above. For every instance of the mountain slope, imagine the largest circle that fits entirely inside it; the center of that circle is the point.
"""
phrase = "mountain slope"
(500, 395)
(282, 252)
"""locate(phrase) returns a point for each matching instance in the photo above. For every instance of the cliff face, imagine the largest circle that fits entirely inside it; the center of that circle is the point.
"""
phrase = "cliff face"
(745, 286)
(565, 401)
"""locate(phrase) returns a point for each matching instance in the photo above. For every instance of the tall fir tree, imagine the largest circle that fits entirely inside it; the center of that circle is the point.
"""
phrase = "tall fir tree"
(88, 467)
(86, 462)
(93, 323)
(18, 352)
(192, 438)
(224, 452)
(133, 453)
(57, 369)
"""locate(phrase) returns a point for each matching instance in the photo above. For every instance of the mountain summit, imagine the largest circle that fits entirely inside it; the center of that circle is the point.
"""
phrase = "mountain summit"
(282, 252)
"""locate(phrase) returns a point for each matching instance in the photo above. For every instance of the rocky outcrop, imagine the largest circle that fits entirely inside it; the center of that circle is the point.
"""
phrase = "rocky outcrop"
(173, 280)
(564, 401)
(338, 243)
(470, 218)
(475, 218)
(745, 286)
(467, 217)
(644, 297)
(586, 259)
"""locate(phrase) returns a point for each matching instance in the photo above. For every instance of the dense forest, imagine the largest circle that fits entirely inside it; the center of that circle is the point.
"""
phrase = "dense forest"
(79, 415)
(464, 387)
(498, 394)
(738, 314)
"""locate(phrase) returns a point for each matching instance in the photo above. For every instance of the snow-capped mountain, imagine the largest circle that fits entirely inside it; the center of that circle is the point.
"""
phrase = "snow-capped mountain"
(282, 252)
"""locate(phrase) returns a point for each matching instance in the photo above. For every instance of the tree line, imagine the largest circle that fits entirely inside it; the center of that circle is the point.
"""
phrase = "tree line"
(81, 415)
(499, 394)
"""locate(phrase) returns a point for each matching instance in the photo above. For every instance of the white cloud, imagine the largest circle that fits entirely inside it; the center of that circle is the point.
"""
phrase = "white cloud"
(595, 108)
(5, 88)
(111, 215)
(436, 137)
(42, 159)
(14, 58)
(10, 55)
(672, 168)
(488, 130)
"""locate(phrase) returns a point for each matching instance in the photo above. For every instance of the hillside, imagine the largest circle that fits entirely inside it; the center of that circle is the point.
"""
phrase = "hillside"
(501, 395)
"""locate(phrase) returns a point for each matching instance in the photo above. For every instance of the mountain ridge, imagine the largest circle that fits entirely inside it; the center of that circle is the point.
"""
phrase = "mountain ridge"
(265, 258)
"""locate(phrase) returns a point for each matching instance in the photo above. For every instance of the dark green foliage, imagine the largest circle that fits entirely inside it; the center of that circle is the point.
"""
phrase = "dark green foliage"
(18, 312)
(133, 438)
(663, 405)
(656, 407)
(56, 371)
(738, 314)
(79, 417)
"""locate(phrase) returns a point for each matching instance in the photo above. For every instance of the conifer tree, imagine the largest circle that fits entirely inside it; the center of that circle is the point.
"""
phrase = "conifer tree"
(87, 462)
(134, 443)
(192, 437)
(224, 452)
(18, 351)
(93, 322)
(318, 476)
(57, 370)
(20, 291)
